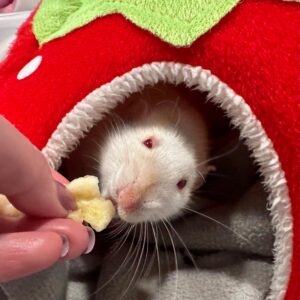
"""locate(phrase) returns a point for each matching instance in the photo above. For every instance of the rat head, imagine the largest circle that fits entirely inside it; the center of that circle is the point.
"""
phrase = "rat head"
(149, 172)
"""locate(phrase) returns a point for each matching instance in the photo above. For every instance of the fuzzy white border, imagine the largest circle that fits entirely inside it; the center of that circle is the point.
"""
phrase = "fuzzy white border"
(99, 102)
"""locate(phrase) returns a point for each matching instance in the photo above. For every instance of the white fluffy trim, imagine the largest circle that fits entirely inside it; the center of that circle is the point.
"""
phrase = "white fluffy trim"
(94, 106)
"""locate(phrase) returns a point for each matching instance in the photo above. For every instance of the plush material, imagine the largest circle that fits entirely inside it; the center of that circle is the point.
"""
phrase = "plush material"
(50, 284)
(177, 22)
(254, 49)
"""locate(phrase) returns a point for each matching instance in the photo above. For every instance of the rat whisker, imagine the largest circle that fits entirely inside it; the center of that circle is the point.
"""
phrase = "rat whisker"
(221, 175)
(120, 243)
(93, 158)
(138, 263)
(124, 263)
(112, 127)
(117, 245)
(221, 155)
(174, 104)
(145, 234)
(120, 129)
(116, 129)
(175, 258)
(176, 126)
(157, 251)
(94, 168)
(112, 184)
(159, 278)
(116, 116)
(99, 146)
(183, 244)
(136, 255)
(219, 223)
(207, 193)
(150, 265)
(146, 256)
(145, 103)
(175, 110)
(201, 175)
(116, 231)
(113, 229)
(117, 121)
(165, 246)
(165, 101)
(116, 223)
(152, 259)
(119, 174)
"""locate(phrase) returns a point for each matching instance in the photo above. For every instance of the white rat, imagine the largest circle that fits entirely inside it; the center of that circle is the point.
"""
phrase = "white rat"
(150, 158)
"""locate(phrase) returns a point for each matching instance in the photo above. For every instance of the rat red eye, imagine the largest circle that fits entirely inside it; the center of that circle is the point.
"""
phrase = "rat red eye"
(181, 184)
(148, 143)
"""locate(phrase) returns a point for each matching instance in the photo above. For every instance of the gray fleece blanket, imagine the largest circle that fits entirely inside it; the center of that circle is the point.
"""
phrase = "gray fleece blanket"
(203, 259)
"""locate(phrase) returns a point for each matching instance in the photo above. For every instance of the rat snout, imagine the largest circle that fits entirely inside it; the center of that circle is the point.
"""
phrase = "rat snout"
(131, 196)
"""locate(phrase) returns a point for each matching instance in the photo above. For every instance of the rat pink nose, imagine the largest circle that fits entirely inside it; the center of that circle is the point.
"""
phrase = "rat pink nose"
(129, 198)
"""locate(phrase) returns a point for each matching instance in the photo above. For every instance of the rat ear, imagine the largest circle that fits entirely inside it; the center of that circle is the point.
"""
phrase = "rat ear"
(210, 168)
(204, 171)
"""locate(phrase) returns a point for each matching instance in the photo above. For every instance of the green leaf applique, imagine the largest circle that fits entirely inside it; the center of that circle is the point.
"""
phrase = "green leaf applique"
(178, 22)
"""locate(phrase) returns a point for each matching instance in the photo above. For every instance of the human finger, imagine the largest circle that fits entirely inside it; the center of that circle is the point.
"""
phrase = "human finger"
(25, 177)
(25, 253)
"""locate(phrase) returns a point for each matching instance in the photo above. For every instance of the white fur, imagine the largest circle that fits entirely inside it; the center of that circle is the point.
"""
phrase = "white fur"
(125, 160)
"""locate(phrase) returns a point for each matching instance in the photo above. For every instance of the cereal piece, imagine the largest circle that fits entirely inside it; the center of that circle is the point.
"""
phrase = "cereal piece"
(92, 208)
(85, 187)
(7, 209)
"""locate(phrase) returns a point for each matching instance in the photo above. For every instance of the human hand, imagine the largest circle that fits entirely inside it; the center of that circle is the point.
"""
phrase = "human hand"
(43, 237)
(9, 6)
(6, 5)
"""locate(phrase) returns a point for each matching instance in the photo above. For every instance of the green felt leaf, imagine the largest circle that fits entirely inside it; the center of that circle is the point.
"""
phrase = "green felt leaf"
(179, 22)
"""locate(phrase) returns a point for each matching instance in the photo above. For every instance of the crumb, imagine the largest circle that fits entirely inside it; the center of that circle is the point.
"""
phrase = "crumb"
(92, 207)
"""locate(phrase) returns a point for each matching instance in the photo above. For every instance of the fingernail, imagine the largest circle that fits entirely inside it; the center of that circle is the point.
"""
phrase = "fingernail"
(92, 240)
(66, 198)
(65, 246)
(5, 3)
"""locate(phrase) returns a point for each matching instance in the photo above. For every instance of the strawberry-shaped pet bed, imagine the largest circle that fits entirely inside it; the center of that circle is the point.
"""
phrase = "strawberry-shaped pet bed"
(75, 60)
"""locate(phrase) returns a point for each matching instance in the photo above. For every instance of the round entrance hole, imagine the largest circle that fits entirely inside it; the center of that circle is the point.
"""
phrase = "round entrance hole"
(242, 256)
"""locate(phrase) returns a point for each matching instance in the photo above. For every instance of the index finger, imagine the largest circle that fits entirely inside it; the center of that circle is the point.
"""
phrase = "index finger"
(25, 177)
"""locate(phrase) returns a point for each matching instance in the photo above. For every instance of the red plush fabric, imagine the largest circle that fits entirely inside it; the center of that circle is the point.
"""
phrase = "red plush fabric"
(255, 50)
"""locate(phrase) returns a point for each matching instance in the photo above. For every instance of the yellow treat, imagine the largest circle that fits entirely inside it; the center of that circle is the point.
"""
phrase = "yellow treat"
(85, 188)
(92, 208)
(7, 209)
